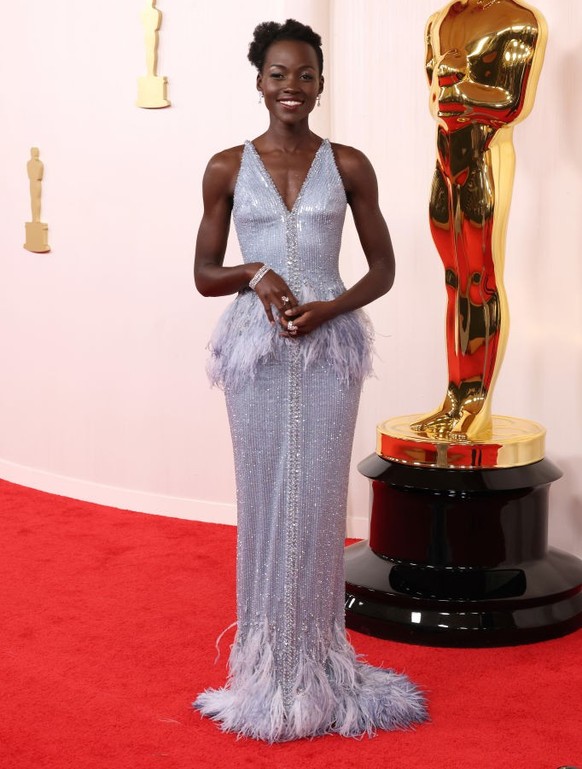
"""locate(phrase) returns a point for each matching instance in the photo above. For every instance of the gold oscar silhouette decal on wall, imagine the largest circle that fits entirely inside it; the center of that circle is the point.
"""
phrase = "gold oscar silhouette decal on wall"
(152, 88)
(36, 231)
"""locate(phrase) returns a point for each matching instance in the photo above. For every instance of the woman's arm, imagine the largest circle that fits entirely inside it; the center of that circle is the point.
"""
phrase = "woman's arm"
(362, 193)
(210, 276)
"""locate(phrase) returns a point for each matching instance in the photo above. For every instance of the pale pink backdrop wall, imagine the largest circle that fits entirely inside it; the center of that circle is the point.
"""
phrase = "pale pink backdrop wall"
(103, 394)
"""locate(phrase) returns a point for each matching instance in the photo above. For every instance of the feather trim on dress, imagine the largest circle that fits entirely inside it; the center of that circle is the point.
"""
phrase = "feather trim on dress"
(344, 695)
(244, 338)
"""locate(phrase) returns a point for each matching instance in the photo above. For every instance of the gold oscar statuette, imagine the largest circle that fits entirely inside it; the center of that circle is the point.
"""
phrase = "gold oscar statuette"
(483, 61)
(36, 231)
(458, 551)
(152, 88)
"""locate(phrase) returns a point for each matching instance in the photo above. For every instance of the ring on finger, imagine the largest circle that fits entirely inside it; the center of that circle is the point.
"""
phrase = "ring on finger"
(285, 300)
(291, 327)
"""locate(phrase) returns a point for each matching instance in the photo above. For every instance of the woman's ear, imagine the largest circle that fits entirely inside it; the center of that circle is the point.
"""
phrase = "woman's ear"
(259, 82)
(321, 82)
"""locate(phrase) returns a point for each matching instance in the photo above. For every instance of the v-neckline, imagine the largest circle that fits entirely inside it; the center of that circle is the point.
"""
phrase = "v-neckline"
(272, 181)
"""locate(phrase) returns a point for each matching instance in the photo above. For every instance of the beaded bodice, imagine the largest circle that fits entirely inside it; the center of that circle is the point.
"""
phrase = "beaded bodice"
(301, 244)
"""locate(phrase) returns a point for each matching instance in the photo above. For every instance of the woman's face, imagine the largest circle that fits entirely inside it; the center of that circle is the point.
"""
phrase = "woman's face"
(290, 80)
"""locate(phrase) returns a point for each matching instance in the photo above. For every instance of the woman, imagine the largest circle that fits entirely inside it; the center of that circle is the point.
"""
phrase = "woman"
(291, 353)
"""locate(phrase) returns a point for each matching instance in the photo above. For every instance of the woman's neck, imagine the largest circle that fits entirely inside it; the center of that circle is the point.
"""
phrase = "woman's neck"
(289, 138)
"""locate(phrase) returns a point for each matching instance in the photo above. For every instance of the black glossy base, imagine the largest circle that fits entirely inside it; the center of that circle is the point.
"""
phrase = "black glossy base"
(460, 558)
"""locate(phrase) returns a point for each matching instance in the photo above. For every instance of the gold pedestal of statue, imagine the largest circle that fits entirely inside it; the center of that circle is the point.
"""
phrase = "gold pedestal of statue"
(36, 237)
(512, 443)
(152, 92)
(458, 552)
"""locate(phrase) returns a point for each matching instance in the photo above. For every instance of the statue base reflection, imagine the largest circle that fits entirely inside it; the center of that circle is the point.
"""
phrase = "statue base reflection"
(458, 552)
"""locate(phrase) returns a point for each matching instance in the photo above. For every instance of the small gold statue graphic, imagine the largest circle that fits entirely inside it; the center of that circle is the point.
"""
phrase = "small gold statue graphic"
(152, 89)
(36, 231)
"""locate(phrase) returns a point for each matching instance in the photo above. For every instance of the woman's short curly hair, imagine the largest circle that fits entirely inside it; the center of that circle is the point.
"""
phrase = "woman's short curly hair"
(270, 32)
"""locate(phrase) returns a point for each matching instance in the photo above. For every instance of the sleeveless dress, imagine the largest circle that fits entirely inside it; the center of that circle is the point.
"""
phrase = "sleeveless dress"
(292, 406)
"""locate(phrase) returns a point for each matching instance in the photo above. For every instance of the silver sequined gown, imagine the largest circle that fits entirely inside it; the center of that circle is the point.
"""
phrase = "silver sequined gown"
(292, 406)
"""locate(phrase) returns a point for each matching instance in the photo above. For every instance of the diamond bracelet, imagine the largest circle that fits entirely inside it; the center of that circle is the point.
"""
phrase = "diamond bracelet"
(259, 274)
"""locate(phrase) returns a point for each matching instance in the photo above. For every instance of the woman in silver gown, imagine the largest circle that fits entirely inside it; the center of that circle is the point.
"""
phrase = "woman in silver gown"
(291, 352)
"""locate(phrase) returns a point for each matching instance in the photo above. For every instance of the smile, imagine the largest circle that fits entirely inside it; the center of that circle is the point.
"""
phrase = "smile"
(290, 102)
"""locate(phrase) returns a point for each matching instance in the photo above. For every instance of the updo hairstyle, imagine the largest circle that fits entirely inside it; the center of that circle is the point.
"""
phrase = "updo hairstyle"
(270, 32)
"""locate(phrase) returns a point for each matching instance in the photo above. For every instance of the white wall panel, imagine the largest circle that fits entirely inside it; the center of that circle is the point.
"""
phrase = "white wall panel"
(103, 393)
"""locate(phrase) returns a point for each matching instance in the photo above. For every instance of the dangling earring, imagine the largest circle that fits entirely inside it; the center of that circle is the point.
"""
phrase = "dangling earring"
(319, 100)
(260, 96)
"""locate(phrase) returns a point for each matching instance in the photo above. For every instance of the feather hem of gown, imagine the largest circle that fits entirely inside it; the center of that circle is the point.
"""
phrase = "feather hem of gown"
(244, 339)
(343, 696)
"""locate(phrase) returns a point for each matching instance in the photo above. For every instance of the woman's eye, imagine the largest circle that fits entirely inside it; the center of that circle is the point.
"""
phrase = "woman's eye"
(276, 75)
(307, 76)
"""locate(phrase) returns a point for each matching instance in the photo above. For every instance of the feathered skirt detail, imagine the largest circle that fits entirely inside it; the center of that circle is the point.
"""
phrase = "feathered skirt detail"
(337, 694)
(244, 339)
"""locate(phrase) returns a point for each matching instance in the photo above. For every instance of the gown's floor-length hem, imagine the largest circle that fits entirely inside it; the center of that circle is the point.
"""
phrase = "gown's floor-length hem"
(344, 696)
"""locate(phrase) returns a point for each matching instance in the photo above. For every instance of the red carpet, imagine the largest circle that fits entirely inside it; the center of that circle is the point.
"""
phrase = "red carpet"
(108, 622)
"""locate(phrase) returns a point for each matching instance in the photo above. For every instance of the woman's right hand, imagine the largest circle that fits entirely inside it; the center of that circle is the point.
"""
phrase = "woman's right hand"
(273, 291)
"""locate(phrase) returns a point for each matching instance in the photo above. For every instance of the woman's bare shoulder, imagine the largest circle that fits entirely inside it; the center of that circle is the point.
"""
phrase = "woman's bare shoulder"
(353, 165)
(223, 167)
(226, 160)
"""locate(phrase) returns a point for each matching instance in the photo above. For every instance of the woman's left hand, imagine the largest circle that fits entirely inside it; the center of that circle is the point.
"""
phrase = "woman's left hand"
(305, 318)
